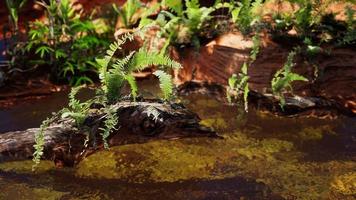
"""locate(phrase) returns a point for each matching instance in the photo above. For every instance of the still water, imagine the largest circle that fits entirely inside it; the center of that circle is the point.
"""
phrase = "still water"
(261, 157)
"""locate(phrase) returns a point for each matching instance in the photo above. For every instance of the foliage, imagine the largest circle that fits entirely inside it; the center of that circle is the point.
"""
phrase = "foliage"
(14, 6)
(134, 11)
(113, 78)
(350, 36)
(109, 124)
(113, 73)
(67, 41)
(246, 14)
(40, 141)
(76, 110)
(239, 84)
(166, 83)
(182, 25)
(256, 39)
(283, 79)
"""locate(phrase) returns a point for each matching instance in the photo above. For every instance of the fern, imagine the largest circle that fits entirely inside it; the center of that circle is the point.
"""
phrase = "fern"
(239, 84)
(283, 79)
(166, 83)
(109, 124)
(143, 59)
(256, 47)
(114, 76)
(132, 82)
(40, 141)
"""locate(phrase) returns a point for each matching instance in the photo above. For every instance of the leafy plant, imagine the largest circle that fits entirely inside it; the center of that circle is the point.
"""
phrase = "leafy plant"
(14, 6)
(113, 77)
(350, 36)
(182, 26)
(246, 14)
(114, 73)
(283, 79)
(238, 84)
(67, 42)
(40, 141)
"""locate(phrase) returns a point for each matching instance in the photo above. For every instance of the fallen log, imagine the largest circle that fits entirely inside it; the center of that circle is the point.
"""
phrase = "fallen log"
(65, 143)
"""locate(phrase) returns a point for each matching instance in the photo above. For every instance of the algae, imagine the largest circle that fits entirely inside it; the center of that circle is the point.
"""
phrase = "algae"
(273, 162)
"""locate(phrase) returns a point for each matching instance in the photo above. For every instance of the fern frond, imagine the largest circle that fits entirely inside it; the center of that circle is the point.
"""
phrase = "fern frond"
(166, 83)
(114, 85)
(143, 59)
(109, 124)
(132, 82)
(40, 141)
(174, 5)
(120, 64)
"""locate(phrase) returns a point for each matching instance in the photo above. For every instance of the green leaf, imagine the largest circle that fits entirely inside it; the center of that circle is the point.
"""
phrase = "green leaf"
(132, 82)
(42, 50)
(166, 83)
(59, 53)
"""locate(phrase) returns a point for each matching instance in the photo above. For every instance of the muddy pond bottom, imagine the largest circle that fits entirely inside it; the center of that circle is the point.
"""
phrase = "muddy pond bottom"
(261, 157)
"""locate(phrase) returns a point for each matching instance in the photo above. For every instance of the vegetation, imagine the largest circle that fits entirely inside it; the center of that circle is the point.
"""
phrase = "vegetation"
(183, 23)
(67, 42)
(74, 47)
(283, 79)
(237, 84)
(114, 73)
(14, 6)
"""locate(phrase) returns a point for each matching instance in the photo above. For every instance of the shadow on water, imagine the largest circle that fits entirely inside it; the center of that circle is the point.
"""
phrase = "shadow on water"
(229, 188)
(261, 157)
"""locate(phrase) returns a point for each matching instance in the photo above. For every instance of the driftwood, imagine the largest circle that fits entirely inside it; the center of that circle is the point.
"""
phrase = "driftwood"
(295, 105)
(64, 143)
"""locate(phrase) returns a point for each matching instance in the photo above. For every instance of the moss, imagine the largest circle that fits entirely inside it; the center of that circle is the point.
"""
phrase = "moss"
(345, 184)
(311, 133)
(273, 162)
(26, 166)
(23, 192)
(216, 123)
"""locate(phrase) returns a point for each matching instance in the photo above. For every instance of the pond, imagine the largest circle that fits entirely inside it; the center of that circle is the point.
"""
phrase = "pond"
(262, 156)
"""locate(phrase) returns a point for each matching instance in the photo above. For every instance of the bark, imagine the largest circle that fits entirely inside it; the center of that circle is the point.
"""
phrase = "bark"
(64, 142)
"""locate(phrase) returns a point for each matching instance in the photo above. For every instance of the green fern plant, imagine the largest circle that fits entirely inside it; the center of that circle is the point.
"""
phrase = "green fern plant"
(283, 79)
(238, 84)
(40, 141)
(114, 73)
(109, 124)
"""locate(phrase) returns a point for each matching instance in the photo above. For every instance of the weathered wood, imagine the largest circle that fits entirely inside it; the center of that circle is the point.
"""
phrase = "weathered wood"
(64, 143)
